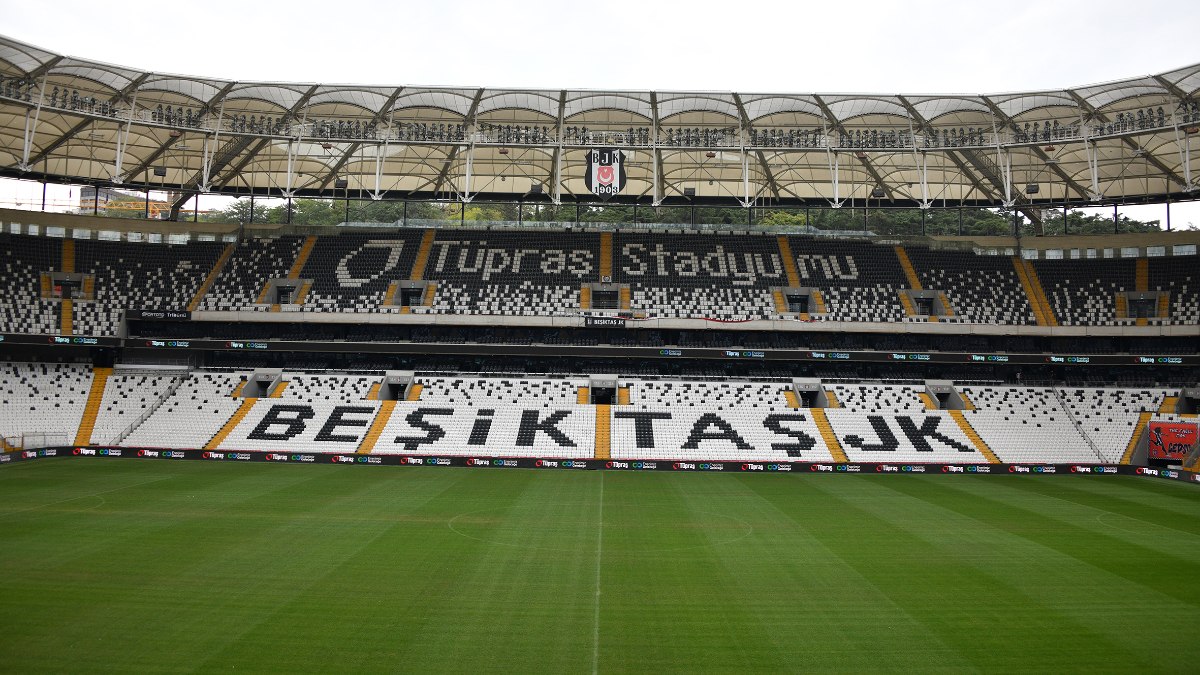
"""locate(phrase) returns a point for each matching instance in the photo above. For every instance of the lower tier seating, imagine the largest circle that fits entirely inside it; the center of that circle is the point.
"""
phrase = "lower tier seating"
(542, 417)
(43, 400)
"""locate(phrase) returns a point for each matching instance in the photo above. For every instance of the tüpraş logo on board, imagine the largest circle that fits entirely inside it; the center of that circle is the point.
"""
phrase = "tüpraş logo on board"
(605, 175)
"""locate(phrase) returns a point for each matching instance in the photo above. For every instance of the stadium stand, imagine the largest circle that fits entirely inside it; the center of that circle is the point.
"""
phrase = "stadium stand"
(723, 277)
(192, 415)
(256, 261)
(680, 420)
(720, 277)
(43, 400)
(1108, 417)
(515, 273)
(859, 281)
(308, 413)
(654, 419)
(1180, 277)
(24, 307)
(138, 276)
(1084, 292)
(1028, 425)
(981, 289)
(127, 397)
(352, 272)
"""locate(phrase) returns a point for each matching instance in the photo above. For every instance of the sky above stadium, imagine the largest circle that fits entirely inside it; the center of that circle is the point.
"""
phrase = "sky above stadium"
(748, 45)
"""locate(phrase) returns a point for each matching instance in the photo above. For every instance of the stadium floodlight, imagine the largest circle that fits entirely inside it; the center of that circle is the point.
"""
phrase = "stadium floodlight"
(689, 192)
(878, 193)
(341, 184)
(1032, 189)
(160, 171)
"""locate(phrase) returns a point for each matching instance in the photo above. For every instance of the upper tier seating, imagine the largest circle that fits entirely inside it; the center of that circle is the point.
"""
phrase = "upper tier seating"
(981, 289)
(1181, 278)
(699, 276)
(723, 277)
(1084, 292)
(858, 281)
(43, 399)
(351, 272)
(255, 262)
(512, 273)
(22, 260)
(138, 276)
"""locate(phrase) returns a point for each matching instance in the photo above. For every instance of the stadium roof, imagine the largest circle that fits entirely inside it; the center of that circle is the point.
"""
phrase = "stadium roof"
(74, 120)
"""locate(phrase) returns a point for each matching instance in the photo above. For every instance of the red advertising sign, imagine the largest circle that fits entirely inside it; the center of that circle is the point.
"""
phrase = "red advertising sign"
(1171, 440)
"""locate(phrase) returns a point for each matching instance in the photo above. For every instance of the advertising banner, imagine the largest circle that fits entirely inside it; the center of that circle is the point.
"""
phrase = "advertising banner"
(1171, 440)
(541, 463)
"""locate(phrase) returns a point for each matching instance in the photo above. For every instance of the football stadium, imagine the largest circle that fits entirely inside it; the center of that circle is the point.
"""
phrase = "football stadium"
(298, 376)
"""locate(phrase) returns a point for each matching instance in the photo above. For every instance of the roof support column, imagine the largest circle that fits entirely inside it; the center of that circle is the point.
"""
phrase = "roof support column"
(1005, 161)
(1184, 143)
(746, 178)
(466, 194)
(209, 145)
(31, 125)
(923, 160)
(558, 172)
(117, 176)
(291, 165)
(1093, 160)
(835, 171)
(380, 153)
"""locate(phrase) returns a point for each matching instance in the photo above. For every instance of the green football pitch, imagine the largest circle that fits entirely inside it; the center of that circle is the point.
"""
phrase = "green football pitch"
(134, 566)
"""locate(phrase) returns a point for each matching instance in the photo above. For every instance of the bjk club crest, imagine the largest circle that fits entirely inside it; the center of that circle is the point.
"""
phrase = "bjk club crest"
(605, 175)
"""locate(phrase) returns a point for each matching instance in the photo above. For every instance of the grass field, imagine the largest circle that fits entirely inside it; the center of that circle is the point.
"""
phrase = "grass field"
(131, 566)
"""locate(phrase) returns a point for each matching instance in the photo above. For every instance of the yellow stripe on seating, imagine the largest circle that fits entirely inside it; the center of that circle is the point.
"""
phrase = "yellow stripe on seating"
(231, 424)
(1138, 431)
(606, 254)
(789, 261)
(211, 278)
(793, 401)
(302, 258)
(975, 438)
(377, 426)
(66, 317)
(910, 272)
(967, 404)
(603, 432)
(95, 396)
(831, 440)
(422, 261)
